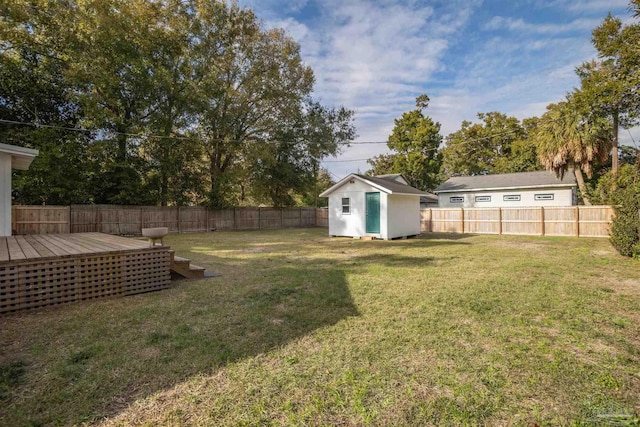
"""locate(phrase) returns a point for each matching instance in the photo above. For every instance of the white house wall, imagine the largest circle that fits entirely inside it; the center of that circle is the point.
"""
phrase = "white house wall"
(353, 224)
(5, 194)
(404, 212)
(561, 197)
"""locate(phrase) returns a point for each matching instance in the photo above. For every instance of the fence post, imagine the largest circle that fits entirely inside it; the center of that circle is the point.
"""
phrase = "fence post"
(259, 218)
(179, 221)
(430, 220)
(462, 220)
(99, 220)
(281, 218)
(234, 219)
(299, 217)
(542, 220)
(68, 219)
(141, 219)
(500, 221)
(577, 224)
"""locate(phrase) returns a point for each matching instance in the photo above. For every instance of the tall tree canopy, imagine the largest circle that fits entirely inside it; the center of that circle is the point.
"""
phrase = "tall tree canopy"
(184, 100)
(414, 142)
(500, 144)
(610, 87)
(565, 139)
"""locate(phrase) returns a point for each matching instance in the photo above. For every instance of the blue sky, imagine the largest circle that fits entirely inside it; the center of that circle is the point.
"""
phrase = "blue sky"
(469, 56)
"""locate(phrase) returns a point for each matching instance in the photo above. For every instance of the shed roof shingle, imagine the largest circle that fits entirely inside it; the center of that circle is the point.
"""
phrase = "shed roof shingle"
(506, 180)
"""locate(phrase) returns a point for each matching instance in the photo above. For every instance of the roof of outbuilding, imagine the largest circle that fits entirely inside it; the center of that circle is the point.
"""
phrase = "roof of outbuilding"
(386, 183)
(506, 181)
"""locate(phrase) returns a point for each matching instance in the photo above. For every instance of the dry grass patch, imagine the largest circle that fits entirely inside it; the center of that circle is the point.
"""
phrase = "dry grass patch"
(302, 329)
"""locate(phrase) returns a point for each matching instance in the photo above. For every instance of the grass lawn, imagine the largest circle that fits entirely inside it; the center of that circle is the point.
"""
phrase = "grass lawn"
(302, 329)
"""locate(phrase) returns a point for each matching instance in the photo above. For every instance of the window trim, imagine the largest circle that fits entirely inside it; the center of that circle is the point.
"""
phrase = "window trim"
(458, 199)
(487, 199)
(544, 196)
(347, 205)
(511, 198)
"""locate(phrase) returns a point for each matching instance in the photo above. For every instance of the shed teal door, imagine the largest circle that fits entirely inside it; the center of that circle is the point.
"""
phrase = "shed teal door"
(372, 212)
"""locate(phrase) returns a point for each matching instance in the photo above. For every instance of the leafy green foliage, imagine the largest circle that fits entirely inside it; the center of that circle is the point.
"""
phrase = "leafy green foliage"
(625, 228)
(217, 91)
(414, 141)
(500, 144)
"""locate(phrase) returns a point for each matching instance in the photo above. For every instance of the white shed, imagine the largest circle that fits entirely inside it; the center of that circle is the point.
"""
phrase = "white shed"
(384, 207)
(11, 157)
(541, 188)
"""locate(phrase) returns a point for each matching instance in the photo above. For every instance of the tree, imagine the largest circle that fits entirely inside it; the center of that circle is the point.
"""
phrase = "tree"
(611, 87)
(414, 141)
(566, 139)
(500, 144)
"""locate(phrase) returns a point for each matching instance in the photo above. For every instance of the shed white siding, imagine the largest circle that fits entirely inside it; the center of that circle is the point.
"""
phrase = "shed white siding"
(353, 224)
(404, 212)
(478, 199)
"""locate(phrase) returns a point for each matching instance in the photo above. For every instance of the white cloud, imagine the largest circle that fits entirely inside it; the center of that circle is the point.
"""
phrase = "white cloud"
(519, 24)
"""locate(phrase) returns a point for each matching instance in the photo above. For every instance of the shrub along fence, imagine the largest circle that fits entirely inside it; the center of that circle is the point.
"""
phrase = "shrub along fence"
(578, 221)
(130, 220)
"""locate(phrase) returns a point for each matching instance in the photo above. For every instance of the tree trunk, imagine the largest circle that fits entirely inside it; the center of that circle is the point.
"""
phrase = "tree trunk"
(614, 146)
(581, 186)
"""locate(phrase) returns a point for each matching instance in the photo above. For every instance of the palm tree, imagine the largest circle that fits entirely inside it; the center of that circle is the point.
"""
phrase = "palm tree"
(565, 139)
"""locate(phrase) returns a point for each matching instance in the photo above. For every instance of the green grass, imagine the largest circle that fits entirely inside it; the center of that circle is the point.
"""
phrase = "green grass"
(302, 329)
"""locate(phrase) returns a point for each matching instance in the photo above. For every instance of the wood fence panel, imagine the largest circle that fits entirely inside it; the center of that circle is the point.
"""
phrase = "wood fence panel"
(84, 219)
(560, 221)
(425, 220)
(160, 216)
(308, 217)
(247, 218)
(526, 221)
(595, 220)
(270, 218)
(291, 217)
(40, 219)
(482, 221)
(222, 219)
(120, 220)
(447, 220)
(322, 217)
(193, 219)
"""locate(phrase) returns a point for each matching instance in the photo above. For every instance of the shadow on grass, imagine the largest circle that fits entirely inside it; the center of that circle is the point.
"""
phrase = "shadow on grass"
(80, 363)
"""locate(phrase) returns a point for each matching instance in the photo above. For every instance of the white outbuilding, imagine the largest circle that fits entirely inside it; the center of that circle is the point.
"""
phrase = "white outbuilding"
(384, 207)
(11, 157)
(522, 189)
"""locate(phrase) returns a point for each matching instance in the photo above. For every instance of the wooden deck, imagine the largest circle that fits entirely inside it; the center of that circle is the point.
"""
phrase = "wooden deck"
(48, 269)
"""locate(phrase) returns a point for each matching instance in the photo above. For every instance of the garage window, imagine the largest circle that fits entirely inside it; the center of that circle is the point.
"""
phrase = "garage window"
(346, 205)
(456, 199)
(544, 196)
(511, 198)
(483, 198)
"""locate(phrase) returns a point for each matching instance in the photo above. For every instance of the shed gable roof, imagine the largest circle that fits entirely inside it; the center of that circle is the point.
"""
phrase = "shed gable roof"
(387, 184)
(506, 181)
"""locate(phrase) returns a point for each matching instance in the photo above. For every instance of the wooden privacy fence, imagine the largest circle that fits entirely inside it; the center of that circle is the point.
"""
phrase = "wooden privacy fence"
(578, 221)
(130, 220)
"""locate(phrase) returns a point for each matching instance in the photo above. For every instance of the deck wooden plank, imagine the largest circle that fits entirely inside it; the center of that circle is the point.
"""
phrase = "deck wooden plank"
(53, 246)
(67, 245)
(94, 244)
(15, 252)
(4, 250)
(42, 250)
(28, 250)
(122, 242)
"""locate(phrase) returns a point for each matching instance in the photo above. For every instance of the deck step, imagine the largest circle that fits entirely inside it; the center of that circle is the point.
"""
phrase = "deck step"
(184, 268)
